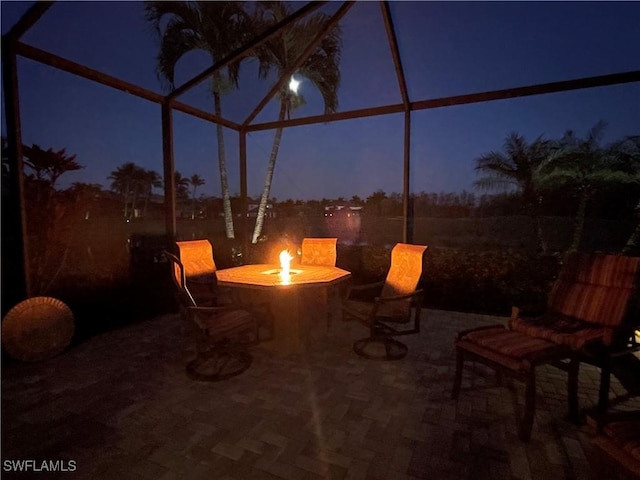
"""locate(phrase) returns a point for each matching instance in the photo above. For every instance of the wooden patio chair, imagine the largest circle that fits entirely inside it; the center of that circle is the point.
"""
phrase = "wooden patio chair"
(223, 333)
(389, 305)
(591, 314)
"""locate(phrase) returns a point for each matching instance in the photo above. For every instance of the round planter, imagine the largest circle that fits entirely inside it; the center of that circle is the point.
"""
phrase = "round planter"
(37, 328)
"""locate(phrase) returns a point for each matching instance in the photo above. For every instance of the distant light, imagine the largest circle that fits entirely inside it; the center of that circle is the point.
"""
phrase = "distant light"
(294, 84)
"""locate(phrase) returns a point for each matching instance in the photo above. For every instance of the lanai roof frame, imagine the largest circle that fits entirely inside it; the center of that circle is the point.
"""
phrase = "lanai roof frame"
(13, 47)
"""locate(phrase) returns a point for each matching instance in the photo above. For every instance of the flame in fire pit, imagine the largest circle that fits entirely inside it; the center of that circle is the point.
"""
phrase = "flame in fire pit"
(285, 264)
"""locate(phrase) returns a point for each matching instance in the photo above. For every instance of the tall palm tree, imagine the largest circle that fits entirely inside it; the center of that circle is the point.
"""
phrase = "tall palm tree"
(196, 181)
(515, 168)
(182, 186)
(217, 28)
(583, 165)
(321, 69)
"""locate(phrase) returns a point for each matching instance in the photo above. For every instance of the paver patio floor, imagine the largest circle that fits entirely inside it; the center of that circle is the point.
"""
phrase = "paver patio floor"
(121, 407)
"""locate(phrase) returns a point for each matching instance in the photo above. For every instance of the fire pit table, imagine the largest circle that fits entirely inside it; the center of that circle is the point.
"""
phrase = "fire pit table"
(295, 315)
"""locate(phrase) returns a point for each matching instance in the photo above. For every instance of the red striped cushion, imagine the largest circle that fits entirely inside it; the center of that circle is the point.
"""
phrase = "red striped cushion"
(555, 328)
(507, 342)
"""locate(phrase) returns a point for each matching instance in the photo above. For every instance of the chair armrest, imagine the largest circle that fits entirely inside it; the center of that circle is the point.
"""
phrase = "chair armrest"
(528, 310)
(462, 333)
(379, 302)
(359, 289)
(395, 298)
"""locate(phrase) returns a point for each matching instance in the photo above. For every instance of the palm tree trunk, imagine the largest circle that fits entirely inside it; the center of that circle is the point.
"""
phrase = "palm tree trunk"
(193, 209)
(222, 165)
(262, 208)
(193, 203)
(535, 216)
(539, 234)
(581, 214)
(126, 201)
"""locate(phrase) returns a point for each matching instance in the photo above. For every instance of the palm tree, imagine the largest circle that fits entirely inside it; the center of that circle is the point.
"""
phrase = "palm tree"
(584, 166)
(196, 181)
(182, 186)
(49, 165)
(321, 68)
(149, 179)
(515, 168)
(123, 181)
(218, 28)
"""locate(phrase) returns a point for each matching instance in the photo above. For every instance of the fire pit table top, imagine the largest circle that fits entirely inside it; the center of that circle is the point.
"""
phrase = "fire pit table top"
(269, 276)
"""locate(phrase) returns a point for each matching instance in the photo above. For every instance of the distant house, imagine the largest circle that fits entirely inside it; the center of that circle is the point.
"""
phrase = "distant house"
(342, 211)
(252, 211)
(343, 221)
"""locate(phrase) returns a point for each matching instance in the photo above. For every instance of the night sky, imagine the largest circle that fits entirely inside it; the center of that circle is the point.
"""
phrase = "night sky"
(447, 48)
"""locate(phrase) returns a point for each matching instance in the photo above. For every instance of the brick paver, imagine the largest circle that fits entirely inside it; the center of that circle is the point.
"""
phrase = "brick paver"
(121, 406)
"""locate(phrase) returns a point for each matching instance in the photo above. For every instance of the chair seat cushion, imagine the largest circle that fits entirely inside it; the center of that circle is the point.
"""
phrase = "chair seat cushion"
(560, 329)
(509, 343)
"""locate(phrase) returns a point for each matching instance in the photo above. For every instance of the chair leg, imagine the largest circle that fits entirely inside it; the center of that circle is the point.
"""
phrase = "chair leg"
(605, 384)
(457, 380)
(572, 388)
(526, 424)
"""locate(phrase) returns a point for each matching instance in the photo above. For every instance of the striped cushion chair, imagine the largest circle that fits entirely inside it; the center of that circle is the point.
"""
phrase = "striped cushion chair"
(592, 309)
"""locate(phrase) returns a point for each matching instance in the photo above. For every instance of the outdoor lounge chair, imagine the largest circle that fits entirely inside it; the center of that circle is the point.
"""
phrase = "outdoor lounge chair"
(591, 315)
(395, 302)
(222, 333)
